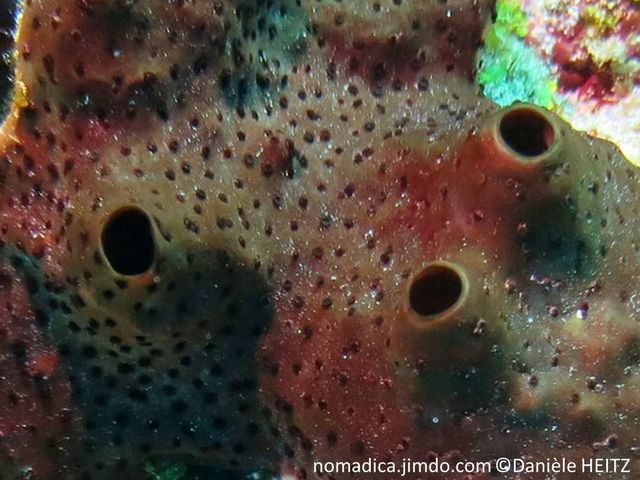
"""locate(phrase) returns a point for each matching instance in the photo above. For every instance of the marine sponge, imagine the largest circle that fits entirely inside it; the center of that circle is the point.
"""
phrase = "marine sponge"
(252, 235)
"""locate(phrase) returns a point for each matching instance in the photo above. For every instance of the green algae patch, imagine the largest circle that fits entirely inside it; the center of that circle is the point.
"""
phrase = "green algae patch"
(166, 472)
(509, 70)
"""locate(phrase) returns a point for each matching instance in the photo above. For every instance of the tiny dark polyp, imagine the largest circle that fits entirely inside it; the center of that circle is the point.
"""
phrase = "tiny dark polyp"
(435, 290)
(127, 241)
(527, 132)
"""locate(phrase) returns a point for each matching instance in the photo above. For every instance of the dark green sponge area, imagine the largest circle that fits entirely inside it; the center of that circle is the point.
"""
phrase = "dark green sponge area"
(264, 39)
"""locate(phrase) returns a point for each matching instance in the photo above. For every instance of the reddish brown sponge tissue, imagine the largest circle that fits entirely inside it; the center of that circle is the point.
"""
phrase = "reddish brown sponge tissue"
(217, 219)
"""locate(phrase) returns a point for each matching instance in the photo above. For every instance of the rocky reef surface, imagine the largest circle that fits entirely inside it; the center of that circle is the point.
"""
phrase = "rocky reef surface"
(580, 58)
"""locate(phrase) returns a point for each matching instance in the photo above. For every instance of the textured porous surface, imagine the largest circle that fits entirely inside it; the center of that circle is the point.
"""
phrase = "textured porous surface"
(214, 219)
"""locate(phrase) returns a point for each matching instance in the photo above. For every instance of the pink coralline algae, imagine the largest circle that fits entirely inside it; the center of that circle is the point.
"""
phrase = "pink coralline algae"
(245, 236)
